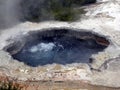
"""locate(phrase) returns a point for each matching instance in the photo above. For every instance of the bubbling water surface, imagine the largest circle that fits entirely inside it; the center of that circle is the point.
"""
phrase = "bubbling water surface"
(57, 48)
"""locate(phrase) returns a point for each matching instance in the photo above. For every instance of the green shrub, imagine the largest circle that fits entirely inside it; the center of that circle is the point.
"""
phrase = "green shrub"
(64, 10)
(9, 86)
(61, 10)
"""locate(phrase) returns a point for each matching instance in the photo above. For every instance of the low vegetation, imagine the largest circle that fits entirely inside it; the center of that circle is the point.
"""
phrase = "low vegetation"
(61, 10)
(9, 86)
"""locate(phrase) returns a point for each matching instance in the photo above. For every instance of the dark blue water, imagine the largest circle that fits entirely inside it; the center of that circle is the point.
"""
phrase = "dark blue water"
(57, 49)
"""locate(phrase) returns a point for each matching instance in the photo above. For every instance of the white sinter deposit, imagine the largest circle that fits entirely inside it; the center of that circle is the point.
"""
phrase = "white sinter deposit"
(102, 18)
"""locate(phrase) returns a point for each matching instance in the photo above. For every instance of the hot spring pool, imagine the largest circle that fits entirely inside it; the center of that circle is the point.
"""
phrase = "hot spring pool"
(58, 46)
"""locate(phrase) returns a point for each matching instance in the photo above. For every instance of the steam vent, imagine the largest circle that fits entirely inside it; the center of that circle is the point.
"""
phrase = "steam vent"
(64, 55)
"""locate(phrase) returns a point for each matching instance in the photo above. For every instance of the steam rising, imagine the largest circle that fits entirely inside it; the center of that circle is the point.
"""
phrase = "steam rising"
(15, 11)
(9, 13)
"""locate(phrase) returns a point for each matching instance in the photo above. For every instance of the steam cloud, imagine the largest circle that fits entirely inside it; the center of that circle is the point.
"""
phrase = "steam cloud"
(15, 11)
(9, 13)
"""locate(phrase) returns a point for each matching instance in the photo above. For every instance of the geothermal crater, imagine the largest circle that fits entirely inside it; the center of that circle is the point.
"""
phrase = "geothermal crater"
(61, 46)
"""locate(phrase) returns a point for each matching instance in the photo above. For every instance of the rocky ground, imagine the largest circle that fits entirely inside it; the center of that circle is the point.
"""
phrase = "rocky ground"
(101, 18)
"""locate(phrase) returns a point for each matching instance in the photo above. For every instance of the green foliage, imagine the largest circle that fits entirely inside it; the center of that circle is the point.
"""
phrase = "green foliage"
(65, 14)
(9, 86)
(61, 10)
(64, 10)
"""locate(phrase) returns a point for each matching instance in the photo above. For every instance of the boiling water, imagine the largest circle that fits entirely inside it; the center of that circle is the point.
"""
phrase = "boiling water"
(60, 49)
